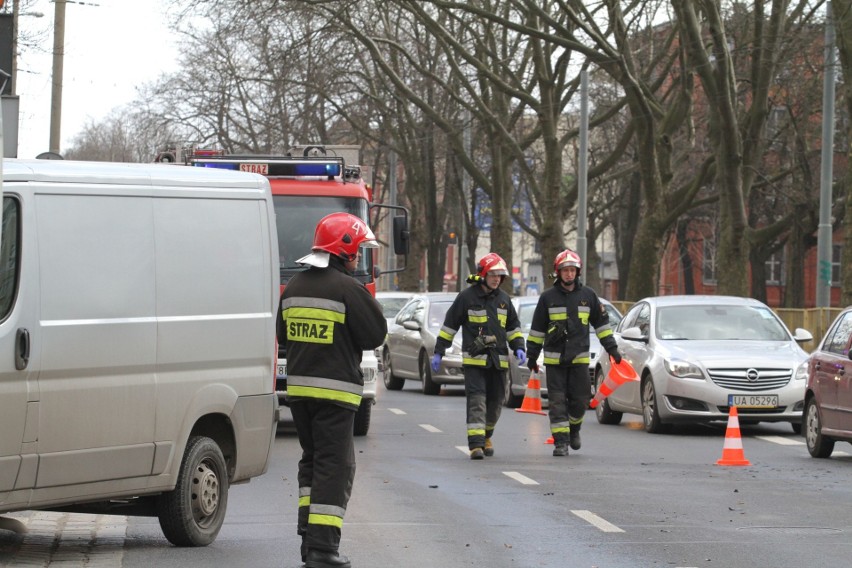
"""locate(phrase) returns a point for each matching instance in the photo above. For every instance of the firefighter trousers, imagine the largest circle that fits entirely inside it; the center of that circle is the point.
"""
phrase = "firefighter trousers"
(485, 390)
(568, 392)
(326, 470)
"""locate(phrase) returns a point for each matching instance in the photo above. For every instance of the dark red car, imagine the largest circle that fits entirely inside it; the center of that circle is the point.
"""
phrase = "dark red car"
(827, 417)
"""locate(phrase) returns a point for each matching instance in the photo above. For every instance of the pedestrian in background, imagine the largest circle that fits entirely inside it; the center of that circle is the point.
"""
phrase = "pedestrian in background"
(489, 325)
(328, 318)
(560, 326)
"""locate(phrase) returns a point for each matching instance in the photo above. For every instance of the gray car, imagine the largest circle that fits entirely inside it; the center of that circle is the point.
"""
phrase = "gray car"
(410, 344)
(697, 356)
(519, 375)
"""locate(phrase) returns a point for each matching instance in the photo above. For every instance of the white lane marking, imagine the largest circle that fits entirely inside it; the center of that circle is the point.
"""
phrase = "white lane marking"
(520, 478)
(780, 440)
(598, 522)
(464, 450)
(429, 428)
(396, 410)
(838, 454)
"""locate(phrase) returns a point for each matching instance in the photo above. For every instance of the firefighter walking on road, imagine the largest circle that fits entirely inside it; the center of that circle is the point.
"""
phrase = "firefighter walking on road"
(489, 325)
(560, 326)
(328, 318)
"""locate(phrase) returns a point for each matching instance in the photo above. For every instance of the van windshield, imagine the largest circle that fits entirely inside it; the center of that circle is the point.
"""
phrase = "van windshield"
(296, 217)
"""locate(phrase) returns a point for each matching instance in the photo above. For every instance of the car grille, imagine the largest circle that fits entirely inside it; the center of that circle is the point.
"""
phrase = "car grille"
(739, 379)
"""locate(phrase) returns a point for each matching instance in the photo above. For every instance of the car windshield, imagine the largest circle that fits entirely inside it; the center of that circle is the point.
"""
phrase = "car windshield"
(725, 323)
(391, 306)
(296, 218)
(437, 313)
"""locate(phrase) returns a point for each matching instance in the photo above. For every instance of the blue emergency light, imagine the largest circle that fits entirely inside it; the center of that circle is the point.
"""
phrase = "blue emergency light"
(275, 166)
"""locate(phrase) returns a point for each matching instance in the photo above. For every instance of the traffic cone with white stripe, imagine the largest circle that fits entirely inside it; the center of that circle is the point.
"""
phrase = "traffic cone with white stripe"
(532, 396)
(732, 452)
(619, 373)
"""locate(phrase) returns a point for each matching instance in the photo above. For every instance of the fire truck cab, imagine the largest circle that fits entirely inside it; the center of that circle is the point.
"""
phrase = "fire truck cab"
(305, 189)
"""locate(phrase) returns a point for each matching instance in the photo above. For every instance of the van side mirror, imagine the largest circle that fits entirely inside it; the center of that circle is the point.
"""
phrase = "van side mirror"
(802, 335)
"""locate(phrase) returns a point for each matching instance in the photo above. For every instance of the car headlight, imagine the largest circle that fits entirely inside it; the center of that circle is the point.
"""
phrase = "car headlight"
(802, 371)
(683, 369)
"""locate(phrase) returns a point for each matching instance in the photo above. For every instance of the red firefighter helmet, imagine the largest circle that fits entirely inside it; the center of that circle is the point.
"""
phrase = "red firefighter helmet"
(341, 234)
(492, 262)
(567, 258)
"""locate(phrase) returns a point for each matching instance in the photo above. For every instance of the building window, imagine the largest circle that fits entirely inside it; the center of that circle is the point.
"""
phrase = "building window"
(836, 251)
(708, 269)
(775, 269)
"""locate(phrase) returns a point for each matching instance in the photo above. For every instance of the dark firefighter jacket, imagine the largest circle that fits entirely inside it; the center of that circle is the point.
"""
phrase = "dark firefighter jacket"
(561, 322)
(328, 318)
(481, 312)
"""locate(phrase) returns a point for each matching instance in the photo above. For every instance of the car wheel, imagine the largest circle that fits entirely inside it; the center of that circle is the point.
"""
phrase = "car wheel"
(428, 386)
(819, 446)
(362, 417)
(513, 400)
(603, 412)
(193, 512)
(391, 382)
(650, 409)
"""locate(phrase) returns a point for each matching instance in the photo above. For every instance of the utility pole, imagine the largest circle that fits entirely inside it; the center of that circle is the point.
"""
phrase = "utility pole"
(58, 61)
(583, 169)
(824, 237)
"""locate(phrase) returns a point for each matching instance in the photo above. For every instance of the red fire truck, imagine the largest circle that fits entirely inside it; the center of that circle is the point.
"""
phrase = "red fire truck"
(305, 189)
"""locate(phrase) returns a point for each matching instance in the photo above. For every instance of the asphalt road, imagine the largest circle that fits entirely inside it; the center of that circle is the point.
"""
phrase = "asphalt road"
(627, 499)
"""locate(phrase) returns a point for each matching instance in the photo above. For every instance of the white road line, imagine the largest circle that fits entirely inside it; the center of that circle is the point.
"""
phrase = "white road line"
(429, 428)
(463, 449)
(840, 454)
(396, 410)
(781, 440)
(598, 522)
(520, 478)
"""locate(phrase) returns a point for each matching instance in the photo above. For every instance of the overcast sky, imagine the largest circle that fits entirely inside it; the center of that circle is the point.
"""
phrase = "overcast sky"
(111, 48)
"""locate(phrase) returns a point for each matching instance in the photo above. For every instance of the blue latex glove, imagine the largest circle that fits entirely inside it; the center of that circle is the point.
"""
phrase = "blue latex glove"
(521, 355)
(436, 362)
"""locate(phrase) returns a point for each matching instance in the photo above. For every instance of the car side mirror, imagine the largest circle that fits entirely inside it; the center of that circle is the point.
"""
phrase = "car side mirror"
(802, 335)
(411, 325)
(634, 334)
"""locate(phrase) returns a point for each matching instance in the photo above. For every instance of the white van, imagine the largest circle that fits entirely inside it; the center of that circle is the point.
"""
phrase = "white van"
(137, 340)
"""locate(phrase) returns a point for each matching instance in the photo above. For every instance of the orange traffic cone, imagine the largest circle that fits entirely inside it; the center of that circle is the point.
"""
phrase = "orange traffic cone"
(619, 373)
(532, 397)
(732, 452)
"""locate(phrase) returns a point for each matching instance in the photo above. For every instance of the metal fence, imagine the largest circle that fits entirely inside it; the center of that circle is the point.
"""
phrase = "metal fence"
(815, 320)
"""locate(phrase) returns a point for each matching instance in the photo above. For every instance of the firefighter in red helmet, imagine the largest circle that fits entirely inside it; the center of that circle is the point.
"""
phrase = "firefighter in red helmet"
(489, 326)
(560, 326)
(328, 318)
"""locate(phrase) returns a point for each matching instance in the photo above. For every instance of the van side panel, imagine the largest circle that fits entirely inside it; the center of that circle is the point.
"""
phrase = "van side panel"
(213, 309)
(98, 335)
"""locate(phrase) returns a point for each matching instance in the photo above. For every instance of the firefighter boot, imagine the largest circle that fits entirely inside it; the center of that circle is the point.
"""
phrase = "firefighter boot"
(574, 436)
(560, 445)
(477, 454)
(489, 447)
(326, 559)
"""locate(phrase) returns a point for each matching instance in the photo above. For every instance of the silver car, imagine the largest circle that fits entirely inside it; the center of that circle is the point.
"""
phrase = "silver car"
(410, 344)
(697, 356)
(519, 375)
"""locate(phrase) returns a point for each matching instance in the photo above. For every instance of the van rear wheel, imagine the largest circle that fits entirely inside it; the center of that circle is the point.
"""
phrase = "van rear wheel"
(193, 513)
